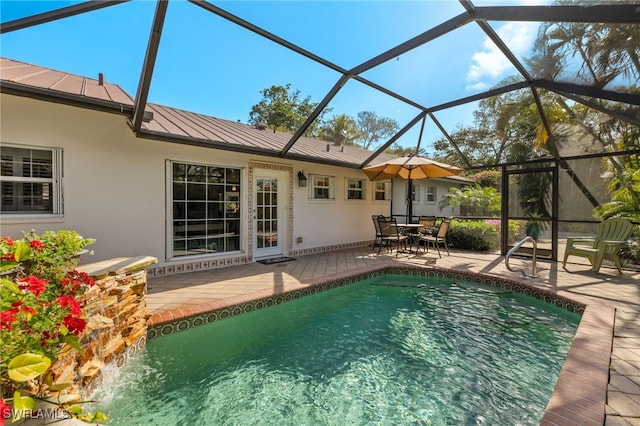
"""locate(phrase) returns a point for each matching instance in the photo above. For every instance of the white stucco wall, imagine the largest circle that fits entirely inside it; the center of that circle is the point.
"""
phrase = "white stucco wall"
(422, 207)
(115, 186)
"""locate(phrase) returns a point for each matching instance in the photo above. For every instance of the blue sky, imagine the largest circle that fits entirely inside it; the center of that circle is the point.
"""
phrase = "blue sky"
(208, 65)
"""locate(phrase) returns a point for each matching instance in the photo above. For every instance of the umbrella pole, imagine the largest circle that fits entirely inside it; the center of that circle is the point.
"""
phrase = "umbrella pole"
(409, 200)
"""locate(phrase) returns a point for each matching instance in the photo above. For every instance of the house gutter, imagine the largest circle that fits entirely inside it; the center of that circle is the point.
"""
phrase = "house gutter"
(80, 101)
(207, 143)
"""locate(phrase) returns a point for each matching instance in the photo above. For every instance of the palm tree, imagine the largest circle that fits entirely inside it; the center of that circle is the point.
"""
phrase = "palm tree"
(340, 124)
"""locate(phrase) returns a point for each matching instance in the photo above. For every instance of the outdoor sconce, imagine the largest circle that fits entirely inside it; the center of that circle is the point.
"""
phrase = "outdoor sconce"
(302, 179)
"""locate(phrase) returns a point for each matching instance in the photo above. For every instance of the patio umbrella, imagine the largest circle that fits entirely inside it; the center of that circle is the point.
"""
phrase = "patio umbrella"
(412, 167)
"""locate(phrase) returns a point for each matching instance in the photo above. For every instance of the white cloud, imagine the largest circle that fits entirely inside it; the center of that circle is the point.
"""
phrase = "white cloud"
(476, 87)
(490, 62)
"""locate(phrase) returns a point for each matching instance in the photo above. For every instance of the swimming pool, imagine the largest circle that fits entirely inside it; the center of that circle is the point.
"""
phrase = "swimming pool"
(388, 350)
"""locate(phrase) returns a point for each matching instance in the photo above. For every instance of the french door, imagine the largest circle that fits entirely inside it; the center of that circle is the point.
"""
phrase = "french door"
(269, 213)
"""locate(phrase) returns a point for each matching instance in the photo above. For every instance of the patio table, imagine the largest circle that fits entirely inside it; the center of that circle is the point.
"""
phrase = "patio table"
(410, 229)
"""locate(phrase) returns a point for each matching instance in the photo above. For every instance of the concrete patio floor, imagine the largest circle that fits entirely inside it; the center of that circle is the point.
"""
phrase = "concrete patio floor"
(177, 296)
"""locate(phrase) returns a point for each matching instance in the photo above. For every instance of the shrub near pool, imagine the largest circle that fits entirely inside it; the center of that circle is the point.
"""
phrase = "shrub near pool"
(478, 235)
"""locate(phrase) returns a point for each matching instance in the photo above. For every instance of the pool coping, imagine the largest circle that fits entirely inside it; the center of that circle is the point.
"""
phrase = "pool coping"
(580, 393)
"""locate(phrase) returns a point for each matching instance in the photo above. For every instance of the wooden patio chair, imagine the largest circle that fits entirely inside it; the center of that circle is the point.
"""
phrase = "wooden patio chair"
(439, 238)
(390, 234)
(611, 236)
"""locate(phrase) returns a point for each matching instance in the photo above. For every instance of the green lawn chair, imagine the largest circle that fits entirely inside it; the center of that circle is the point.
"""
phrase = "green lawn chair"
(611, 237)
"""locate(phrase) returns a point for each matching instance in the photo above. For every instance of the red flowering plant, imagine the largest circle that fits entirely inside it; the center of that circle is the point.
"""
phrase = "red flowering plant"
(40, 318)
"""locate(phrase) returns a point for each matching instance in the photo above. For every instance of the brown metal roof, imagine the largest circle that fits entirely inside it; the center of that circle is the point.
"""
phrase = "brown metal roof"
(52, 80)
(176, 125)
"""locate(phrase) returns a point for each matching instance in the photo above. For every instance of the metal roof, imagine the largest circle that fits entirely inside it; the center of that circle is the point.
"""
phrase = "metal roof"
(172, 124)
(182, 126)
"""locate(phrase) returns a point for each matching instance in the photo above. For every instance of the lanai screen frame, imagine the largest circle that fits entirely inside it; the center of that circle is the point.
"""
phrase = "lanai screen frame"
(606, 14)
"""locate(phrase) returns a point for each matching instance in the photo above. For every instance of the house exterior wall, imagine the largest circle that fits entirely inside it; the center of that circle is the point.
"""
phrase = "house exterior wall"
(422, 206)
(115, 187)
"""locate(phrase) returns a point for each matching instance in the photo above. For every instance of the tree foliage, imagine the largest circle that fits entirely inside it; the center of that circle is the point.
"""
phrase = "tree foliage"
(281, 108)
(510, 128)
(340, 125)
(374, 129)
(625, 197)
(474, 200)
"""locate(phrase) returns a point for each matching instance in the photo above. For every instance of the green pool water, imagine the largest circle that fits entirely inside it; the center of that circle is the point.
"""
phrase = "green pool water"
(389, 351)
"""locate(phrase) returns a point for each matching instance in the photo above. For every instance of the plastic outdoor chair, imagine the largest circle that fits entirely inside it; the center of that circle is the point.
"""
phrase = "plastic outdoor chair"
(611, 236)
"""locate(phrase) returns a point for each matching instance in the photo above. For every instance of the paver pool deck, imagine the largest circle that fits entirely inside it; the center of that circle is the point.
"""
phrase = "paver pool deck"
(601, 370)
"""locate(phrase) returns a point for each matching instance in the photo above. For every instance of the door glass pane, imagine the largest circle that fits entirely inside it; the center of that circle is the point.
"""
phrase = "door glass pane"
(266, 209)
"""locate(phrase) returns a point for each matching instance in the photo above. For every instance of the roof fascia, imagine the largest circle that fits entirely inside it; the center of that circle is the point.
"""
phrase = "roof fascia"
(53, 15)
(185, 140)
(81, 101)
(604, 14)
(149, 63)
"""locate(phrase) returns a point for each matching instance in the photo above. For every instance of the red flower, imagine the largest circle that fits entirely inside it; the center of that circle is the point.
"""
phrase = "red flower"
(28, 309)
(34, 284)
(74, 324)
(47, 335)
(7, 318)
(8, 240)
(5, 412)
(37, 245)
(71, 303)
(9, 256)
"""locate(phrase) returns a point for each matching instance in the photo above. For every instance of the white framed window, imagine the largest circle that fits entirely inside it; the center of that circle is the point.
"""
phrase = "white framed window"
(415, 193)
(30, 180)
(204, 207)
(381, 191)
(356, 189)
(432, 194)
(322, 187)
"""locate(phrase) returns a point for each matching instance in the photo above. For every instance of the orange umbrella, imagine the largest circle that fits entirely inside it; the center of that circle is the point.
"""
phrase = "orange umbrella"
(412, 167)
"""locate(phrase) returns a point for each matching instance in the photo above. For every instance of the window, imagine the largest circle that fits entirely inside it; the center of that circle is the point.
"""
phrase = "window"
(31, 180)
(381, 191)
(415, 194)
(431, 194)
(205, 209)
(355, 189)
(322, 187)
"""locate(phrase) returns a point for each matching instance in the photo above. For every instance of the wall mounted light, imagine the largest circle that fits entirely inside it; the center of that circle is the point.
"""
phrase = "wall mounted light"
(302, 179)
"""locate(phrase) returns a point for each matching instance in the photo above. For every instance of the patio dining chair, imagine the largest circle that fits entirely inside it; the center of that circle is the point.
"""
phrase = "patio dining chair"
(427, 224)
(391, 236)
(378, 240)
(427, 227)
(610, 237)
(439, 239)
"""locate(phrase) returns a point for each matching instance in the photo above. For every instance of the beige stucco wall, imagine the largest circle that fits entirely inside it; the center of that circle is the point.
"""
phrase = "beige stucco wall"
(114, 183)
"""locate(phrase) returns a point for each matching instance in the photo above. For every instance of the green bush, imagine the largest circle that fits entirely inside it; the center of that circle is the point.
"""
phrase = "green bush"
(479, 235)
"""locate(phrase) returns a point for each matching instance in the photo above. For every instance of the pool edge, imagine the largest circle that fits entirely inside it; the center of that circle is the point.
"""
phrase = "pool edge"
(580, 393)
